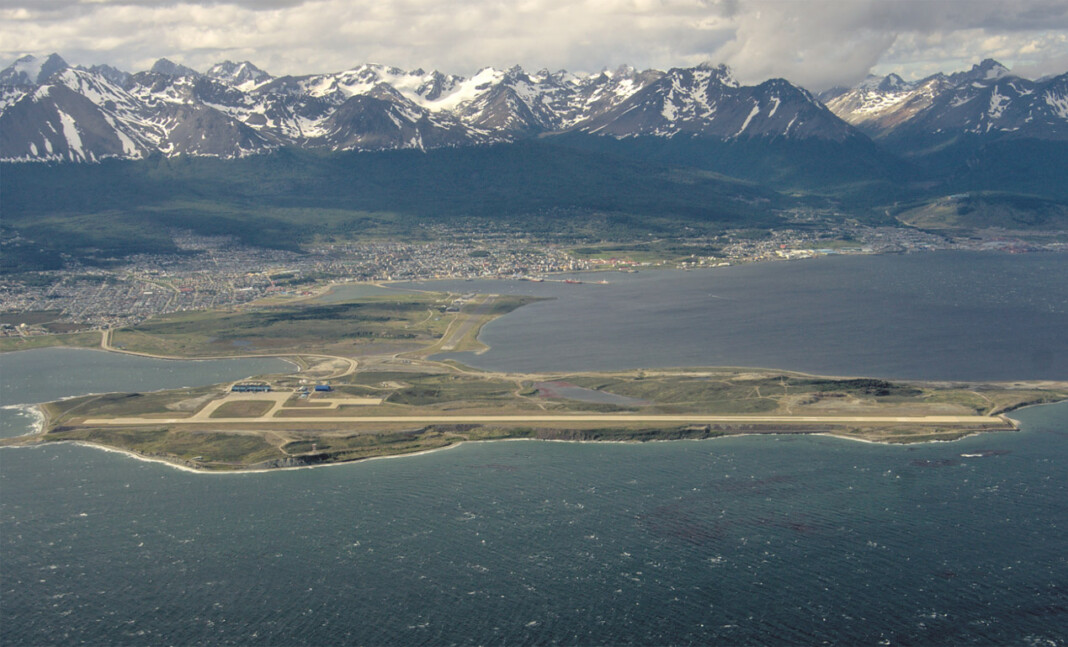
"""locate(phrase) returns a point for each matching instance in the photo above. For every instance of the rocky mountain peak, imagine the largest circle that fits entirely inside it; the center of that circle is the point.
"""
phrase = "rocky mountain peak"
(30, 70)
(720, 73)
(233, 73)
(987, 70)
(115, 75)
(166, 67)
(987, 101)
(892, 83)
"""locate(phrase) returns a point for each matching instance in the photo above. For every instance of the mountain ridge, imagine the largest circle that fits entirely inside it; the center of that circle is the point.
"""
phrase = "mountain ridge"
(52, 111)
(369, 107)
(987, 101)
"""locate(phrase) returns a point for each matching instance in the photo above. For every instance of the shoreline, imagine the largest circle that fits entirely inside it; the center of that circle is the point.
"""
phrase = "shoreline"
(267, 470)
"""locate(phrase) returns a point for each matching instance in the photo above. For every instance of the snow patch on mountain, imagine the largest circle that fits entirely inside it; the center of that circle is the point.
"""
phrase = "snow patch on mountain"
(70, 132)
(1059, 104)
(998, 102)
(777, 102)
(745, 124)
(30, 70)
(10, 94)
(462, 92)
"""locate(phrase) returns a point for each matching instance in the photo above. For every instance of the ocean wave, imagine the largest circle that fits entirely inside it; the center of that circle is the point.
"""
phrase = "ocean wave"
(32, 411)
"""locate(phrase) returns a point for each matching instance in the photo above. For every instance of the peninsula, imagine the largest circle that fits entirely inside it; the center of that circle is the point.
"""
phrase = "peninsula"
(367, 386)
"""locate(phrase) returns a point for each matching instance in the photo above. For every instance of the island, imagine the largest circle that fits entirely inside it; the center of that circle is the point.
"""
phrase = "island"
(367, 385)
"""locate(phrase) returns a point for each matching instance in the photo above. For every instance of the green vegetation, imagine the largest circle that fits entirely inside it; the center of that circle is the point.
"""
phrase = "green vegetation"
(242, 409)
(211, 450)
(174, 403)
(734, 392)
(569, 187)
(457, 389)
(295, 328)
(404, 322)
(855, 172)
(498, 305)
(29, 318)
(116, 208)
(981, 210)
(73, 340)
(990, 401)
(862, 386)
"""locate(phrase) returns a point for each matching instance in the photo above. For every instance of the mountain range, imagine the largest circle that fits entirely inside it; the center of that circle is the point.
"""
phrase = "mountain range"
(52, 111)
(987, 100)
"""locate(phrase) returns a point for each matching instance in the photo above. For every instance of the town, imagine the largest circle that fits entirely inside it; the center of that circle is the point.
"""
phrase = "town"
(216, 272)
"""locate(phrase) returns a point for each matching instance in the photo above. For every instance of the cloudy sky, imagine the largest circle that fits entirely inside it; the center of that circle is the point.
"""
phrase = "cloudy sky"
(816, 43)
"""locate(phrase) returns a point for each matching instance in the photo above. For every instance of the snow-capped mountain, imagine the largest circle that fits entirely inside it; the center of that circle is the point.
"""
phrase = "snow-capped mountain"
(244, 76)
(707, 101)
(987, 100)
(52, 111)
(30, 70)
(80, 115)
(25, 74)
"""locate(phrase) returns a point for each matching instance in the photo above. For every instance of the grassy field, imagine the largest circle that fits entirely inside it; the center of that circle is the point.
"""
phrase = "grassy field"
(29, 318)
(242, 409)
(980, 210)
(176, 403)
(406, 322)
(72, 340)
(210, 450)
(285, 329)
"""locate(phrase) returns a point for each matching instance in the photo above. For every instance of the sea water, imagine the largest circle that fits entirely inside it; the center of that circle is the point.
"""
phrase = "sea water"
(940, 316)
(744, 540)
(752, 540)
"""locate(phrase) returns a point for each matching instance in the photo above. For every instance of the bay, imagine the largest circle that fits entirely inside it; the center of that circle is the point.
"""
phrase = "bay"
(939, 316)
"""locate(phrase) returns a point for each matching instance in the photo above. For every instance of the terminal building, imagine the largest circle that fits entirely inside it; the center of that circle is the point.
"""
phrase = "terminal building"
(250, 387)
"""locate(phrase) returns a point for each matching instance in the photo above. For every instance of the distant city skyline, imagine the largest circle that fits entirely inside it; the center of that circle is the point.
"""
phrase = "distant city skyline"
(815, 43)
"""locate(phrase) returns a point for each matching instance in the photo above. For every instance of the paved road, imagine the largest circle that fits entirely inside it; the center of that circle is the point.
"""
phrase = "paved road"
(348, 369)
(468, 318)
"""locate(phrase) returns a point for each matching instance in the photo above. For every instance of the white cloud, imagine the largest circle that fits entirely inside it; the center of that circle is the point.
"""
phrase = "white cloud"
(816, 43)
